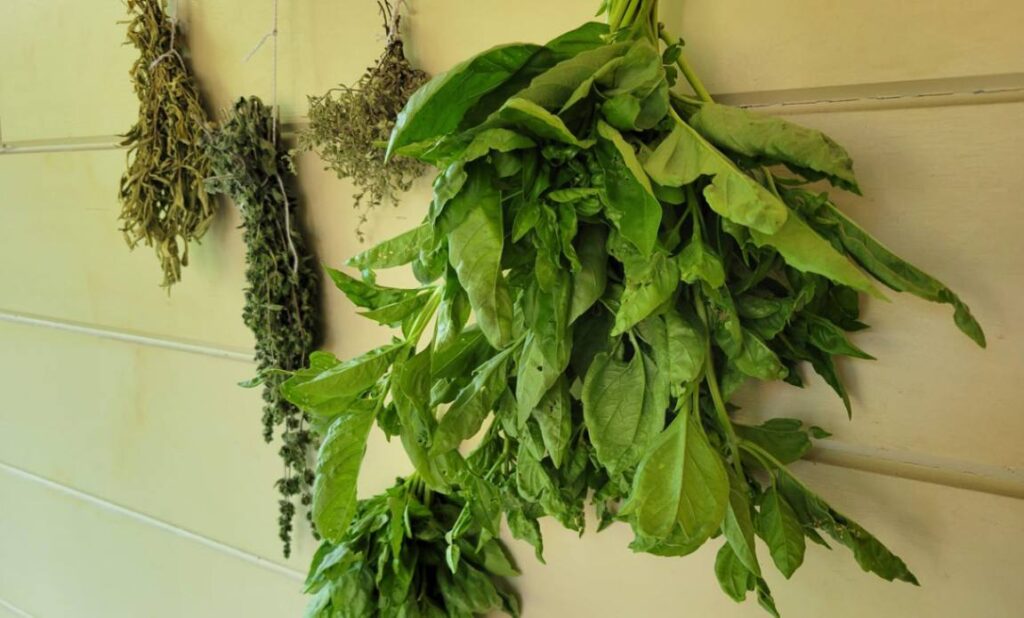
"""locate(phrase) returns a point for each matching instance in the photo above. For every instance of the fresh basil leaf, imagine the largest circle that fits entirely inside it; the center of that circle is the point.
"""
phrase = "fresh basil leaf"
(613, 399)
(784, 438)
(326, 391)
(738, 526)
(588, 283)
(554, 416)
(368, 295)
(683, 156)
(436, 109)
(629, 199)
(781, 530)
(805, 250)
(697, 262)
(547, 348)
(734, 578)
(337, 472)
(650, 284)
(807, 151)
(828, 337)
(681, 481)
(396, 251)
(475, 246)
(900, 275)
(474, 402)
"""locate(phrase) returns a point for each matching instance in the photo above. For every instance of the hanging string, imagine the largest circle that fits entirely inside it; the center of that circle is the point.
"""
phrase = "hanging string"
(172, 17)
(275, 121)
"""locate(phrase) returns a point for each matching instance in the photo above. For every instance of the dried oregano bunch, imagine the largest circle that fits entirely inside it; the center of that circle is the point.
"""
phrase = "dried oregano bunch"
(604, 262)
(163, 201)
(282, 298)
(349, 126)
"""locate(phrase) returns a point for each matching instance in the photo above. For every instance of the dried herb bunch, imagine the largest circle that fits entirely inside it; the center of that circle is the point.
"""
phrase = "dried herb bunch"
(282, 298)
(163, 201)
(349, 126)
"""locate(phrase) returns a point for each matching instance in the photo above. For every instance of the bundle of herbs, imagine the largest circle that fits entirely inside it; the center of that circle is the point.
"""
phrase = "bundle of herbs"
(282, 298)
(163, 201)
(394, 561)
(604, 263)
(349, 126)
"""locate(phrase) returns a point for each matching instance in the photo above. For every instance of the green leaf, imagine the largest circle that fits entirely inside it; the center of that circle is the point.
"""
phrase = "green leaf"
(629, 200)
(828, 337)
(900, 275)
(784, 438)
(806, 251)
(326, 390)
(337, 472)
(697, 262)
(396, 251)
(474, 402)
(527, 115)
(684, 155)
(738, 526)
(649, 285)
(410, 392)
(613, 399)
(395, 313)
(368, 295)
(677, 345)
(681, 481)
(437, 109)
(475, 246)
(496, 140)
(807, 151)
(734, 578)
(548, 343)
(780, 529)
(554, 88)
(554, 416)
(757, 360)
(588, 284)
(813, 512)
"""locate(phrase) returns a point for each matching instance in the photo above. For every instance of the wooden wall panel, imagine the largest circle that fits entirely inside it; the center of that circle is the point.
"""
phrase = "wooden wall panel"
(62, 557)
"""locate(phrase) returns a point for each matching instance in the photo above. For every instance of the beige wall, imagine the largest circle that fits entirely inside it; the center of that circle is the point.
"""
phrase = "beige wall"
(132, 478)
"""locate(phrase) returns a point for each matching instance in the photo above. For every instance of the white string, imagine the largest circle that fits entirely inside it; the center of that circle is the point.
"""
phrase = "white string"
(275, 120)
(172, 16)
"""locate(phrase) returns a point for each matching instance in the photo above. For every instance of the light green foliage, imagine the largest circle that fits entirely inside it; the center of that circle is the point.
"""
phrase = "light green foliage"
(605, 270)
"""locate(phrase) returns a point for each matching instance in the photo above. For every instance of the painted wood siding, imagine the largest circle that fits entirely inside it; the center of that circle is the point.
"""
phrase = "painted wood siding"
(133, 480)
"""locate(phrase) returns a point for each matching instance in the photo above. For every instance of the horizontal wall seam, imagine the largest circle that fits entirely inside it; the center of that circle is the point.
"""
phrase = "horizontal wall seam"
(1004, 481)
(14, 609)
(106, 505)
(104, 332)
(976, 90)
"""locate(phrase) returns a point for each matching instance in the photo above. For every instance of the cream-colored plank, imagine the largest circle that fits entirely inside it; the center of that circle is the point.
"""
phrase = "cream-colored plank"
(742, 46)
(65, 70)
(162, 432)
(967, 550)
(67, 259)
(943, 189)
(738, 47)
(64, 557)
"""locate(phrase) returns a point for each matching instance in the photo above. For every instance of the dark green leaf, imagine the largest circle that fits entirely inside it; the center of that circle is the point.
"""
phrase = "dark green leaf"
(629, 199)
(337, 473)
(780, 529)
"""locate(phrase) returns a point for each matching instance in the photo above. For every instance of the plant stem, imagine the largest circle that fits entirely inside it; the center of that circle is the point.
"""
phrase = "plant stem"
(684, 66)
(716, 395)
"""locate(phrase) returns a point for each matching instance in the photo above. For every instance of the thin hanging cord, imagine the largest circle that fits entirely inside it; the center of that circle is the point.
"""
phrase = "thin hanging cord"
(172, 16)
(275, 120)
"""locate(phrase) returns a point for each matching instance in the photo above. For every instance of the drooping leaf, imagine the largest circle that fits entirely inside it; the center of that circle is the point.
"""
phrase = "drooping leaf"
(681, 481)
(780, 529)
(776, 140)
(337, 472)
(475, 242)
(629, 199)
(683, 156)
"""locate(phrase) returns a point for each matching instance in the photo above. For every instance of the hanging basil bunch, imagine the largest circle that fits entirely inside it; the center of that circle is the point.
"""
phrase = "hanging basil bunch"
(282, 298)
(163, 201)
(411, 552)
(605, 262)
